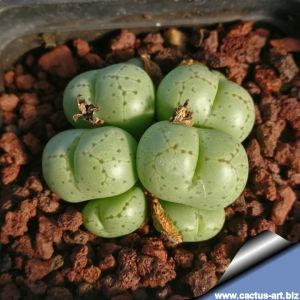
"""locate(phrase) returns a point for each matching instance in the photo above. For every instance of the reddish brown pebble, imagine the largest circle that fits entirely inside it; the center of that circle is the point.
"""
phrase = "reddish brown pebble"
(183, 258)
(296, 210)
(19, 69)
(253, 88)
(29, 111)
(5, 278)
(155, 247)
(202, 279)
(227, 248)
(10, 292)
(283, 205)
(286, 45)
(49, 228)
(87, 291)
(264, 184)
(220, 60)
(77, 237)
(79, 257)
(283, 154)
(44, 246)
(290, 111)
(237, 72)
(19, 263)
(255, 208)
(58, 293)
(161, 273)
(144, 264)
(241, 29)
(9, 78)
(125, 40)
(245, 48)
(33, 143)
(71, 220)
(15, 222)
(24, 82)
(153, 43)
(109, 262)
(29, 98)
(91, 274)
(8, 102)
(56, 262)
(267, 79)
(294, 235)
(211, 43)
(254, 155)
(294, 179)
(8, 117)
(9, 173)
(23, 246)
(130, 240)
(268, 134)
(44, 86)
(93, 60)
(59, 62)
(286, 66)
(36, 269)
(260, 225)
(12, 145)
(123, 296)
(34, 184)
(55, 278)
(168, 58)
(239, 226)
(127, 272)
(37, 288)
(82, 47)
(270, 108)
(107, 248)
(48, 202)
(44, 110)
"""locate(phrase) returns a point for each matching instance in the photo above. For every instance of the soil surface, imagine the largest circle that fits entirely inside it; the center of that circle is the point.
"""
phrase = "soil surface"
(45, 251)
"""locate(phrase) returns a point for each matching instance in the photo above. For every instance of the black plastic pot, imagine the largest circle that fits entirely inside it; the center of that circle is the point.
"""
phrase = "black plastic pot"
(22, 21)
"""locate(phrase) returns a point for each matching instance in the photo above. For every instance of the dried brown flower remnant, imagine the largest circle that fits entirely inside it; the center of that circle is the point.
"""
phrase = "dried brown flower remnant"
(87, 112)
(49, 40)
(176, 38)
(182, 115)
(190, 61)
(152, 68)
(158, 214)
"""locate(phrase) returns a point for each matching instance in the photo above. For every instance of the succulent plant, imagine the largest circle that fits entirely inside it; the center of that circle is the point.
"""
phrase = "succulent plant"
(122, 95)
(202, 168)
(84, 164)
(190, 173)
(215, 102)
(118, 215)
(192, 224)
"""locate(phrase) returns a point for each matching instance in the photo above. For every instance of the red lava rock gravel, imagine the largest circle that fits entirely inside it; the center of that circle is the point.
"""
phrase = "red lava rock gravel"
(45, 251)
